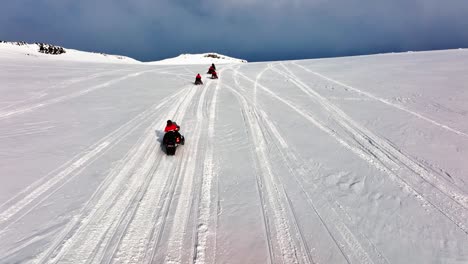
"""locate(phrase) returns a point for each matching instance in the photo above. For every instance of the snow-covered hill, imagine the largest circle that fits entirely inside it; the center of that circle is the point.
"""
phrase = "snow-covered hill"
(204, 58)
(41, 51)
(345, 160)
(15, 49)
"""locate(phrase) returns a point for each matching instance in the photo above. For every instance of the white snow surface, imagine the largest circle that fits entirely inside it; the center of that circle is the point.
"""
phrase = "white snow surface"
(12, 50)
(344, 160)
(204, 58)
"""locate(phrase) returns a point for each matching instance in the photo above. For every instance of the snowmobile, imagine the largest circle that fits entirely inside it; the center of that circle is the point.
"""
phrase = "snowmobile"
(198, 80)
(172, 139)
(214, 75)
(211, 70)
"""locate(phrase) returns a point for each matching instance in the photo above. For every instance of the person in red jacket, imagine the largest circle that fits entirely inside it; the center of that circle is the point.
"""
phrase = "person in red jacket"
(198, 79)
(171, 126)
(211, 69)
(214, 75)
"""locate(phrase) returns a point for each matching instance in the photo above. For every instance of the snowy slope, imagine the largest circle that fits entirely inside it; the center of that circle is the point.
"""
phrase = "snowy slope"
(346, 160)
(204, 58)
(13, 50)
(18, 49)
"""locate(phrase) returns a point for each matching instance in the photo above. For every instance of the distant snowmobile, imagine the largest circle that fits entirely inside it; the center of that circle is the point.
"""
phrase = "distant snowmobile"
(211, 69)
(198, 80)
(214, 75)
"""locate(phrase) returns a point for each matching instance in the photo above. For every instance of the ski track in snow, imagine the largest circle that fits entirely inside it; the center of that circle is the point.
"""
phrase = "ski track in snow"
(59, 99)
(385, 101)
(28, 130)
(338, 229)
(382, 155)
(90, 239)
(46, 186)
(354, 249)
(206, 245)
(126, 231)
(273, 198)
(133, 247)
(153, 208)
(176, 239)
(446, 193)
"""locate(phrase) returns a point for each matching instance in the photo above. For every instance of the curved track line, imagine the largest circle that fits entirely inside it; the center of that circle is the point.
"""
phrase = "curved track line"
(178, 229)
(298, 167)
(22, 110)
(110, 216)
(377, 157)
(72, 168)
(402, 108)
(375, 143)
(134, 246)
(272, 193)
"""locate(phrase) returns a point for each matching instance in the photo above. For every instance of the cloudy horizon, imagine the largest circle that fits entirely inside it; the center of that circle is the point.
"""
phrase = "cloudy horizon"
(256, 30)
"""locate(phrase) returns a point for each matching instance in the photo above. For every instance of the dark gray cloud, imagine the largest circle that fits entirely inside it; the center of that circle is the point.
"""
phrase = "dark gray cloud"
(251, 29)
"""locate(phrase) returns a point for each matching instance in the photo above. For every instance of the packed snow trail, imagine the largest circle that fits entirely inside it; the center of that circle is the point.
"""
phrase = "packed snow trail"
(278, 167)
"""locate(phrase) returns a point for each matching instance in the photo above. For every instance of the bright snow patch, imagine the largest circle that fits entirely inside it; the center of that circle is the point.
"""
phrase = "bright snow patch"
(344, 160)
(205, 58)
(14, 49)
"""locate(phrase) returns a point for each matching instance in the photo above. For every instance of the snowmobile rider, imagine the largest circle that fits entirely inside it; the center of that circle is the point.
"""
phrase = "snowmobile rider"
(172, 126)
(214, 67)
(211, 69)
(214, 75)
(198, 79)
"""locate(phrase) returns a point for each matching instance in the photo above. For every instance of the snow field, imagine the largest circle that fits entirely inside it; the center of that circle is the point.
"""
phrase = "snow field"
(284, 162)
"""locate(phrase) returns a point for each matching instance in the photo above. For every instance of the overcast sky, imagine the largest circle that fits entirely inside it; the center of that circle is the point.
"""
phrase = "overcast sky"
(256, 30)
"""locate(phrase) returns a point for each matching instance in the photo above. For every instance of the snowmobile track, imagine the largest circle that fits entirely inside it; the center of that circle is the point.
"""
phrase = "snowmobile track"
(37, 192)
(271, 133)
(269, 186)
(378, 153)
(385, 101)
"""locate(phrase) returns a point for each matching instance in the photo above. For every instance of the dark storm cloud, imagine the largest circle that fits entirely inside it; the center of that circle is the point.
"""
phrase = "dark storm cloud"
(251, 29)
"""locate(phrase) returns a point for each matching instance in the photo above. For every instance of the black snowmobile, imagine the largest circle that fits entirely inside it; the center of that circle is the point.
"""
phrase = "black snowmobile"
(171, 140)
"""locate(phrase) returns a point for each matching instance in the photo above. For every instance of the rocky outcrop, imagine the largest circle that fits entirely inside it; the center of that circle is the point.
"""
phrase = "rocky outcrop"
(50, 49)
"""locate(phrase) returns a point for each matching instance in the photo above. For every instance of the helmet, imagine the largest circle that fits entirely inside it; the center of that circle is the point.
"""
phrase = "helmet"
(169, 122)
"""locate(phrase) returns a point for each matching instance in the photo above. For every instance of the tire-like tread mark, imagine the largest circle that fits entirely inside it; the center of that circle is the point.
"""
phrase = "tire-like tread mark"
(66, 97)
(109, 205)
(385, 101)
(47, 186)
(206, 229)
(449, 201)
(178, 232)
(135, 247)
(272, 195)
(374, 154)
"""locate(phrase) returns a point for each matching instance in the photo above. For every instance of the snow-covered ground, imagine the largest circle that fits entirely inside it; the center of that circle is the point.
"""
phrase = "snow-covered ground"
(346, 160)
(204, 58)
(14, 50)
